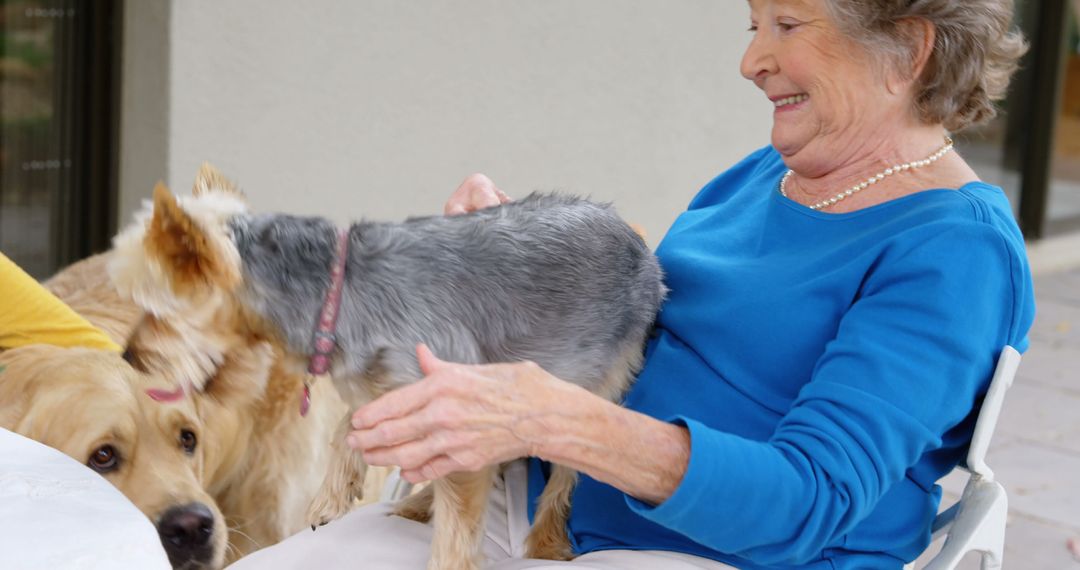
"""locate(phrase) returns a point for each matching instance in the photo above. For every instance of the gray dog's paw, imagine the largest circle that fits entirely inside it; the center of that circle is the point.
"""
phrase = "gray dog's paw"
(332, 502)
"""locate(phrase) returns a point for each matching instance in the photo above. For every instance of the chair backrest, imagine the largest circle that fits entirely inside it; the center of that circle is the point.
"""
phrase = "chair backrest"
(1004, 374)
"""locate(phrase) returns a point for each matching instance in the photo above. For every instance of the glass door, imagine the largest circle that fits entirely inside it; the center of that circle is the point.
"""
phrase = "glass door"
(1032, 149)
(56, 130)
(998, 150)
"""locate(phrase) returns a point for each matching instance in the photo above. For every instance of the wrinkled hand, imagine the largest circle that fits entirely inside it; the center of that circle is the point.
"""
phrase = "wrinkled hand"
(462, 417)
(475, 193)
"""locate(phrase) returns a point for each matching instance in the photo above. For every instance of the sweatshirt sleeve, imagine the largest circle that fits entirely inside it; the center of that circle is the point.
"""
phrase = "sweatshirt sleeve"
(912, 356)
(30, 314)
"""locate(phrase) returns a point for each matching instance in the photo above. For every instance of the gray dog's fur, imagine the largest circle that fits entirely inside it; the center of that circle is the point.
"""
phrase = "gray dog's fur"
(553, 279)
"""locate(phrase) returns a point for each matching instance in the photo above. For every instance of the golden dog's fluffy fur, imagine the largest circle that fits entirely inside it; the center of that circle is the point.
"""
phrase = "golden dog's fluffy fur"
(258, 462)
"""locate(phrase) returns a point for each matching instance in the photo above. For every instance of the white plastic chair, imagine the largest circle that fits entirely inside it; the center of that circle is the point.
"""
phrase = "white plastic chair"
(395, 488)
(976, 523)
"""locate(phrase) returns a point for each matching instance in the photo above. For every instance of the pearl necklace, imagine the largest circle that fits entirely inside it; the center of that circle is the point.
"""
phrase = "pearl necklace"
(873, 179)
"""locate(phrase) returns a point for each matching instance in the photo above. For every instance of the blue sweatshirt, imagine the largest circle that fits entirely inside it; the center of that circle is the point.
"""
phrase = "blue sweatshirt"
(828, 367)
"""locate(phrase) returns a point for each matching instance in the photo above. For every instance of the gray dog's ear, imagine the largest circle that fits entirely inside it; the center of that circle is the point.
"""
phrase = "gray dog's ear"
(210, 179)
(192, 257)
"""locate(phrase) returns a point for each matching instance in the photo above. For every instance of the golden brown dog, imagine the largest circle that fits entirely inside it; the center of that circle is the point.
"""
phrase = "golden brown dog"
(256, 462)
(93, 406)
(265, 461)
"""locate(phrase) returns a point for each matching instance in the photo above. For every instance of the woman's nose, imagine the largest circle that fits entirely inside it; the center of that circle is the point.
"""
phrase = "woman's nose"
(758, 61)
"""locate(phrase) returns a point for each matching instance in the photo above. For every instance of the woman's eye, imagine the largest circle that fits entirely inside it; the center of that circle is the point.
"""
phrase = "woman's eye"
(188, 441)
(786, 26)
(104, 459)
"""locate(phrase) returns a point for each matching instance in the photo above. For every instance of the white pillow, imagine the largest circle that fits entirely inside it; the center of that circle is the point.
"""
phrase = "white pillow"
(59, 514)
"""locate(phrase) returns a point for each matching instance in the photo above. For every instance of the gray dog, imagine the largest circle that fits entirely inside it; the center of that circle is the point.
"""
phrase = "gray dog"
(556, 280)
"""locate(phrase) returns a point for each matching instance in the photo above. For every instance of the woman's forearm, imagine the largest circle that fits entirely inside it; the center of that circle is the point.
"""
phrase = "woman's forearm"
(641, 456)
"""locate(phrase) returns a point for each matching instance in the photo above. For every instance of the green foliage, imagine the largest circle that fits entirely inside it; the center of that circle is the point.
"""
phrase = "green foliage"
(27, 52)
(36, 127)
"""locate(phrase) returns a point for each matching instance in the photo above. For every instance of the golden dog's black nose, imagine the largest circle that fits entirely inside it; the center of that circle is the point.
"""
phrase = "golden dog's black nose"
(185, 532)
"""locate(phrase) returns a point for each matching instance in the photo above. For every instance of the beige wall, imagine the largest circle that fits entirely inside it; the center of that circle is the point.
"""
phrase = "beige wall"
(144, 102)
(378, 108)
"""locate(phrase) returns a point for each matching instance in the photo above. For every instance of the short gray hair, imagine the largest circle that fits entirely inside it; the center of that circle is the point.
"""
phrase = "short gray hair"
(975, 51)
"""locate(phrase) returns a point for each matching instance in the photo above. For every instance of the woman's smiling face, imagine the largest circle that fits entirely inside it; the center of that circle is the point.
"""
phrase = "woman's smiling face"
(829, 94)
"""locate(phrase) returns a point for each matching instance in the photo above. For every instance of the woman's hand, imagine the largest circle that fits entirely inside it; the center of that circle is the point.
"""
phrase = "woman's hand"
(463, 417)
(475, 193)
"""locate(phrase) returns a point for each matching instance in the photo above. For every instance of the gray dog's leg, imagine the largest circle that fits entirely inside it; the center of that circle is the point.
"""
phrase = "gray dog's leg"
(344, 481)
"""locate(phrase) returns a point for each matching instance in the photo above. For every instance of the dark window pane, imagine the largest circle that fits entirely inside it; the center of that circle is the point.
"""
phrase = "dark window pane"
(32, 158)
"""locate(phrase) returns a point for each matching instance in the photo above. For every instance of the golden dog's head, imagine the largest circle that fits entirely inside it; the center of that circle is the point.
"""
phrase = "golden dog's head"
(255, 447)
(132, 428)
(178, 263)
(227, 383)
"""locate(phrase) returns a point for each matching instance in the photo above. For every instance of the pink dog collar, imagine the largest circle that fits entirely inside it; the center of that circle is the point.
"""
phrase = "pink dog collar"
(325, 339)
(160, 395)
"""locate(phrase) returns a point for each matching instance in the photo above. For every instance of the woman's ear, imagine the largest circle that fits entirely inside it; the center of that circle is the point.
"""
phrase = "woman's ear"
(920, 36)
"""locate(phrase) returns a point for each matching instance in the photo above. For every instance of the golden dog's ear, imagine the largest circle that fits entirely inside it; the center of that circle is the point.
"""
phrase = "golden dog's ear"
(242, 379)
(16, 385)
(210, 179)
(187, 252)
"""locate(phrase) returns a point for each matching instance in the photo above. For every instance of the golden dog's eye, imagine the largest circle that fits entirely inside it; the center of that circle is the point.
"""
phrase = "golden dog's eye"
(104, 459)
(133, 358)
(188, 441)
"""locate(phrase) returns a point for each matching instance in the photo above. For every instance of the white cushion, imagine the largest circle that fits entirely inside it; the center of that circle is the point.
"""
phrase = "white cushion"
(56, 513)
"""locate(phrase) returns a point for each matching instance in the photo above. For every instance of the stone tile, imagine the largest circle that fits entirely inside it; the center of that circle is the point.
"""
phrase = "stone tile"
(1056, 323)
(1041, 482)
(1032, 543)
(1039, 413)
(1051, 365)
(1000, 441)
(1029, 544)
(1063, 287)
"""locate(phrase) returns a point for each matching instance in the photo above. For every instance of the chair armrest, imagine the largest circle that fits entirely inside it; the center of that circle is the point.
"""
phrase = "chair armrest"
(977, 525)
(395, 488)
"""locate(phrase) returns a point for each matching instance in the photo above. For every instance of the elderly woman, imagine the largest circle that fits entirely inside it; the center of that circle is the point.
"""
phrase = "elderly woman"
(838, 300)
